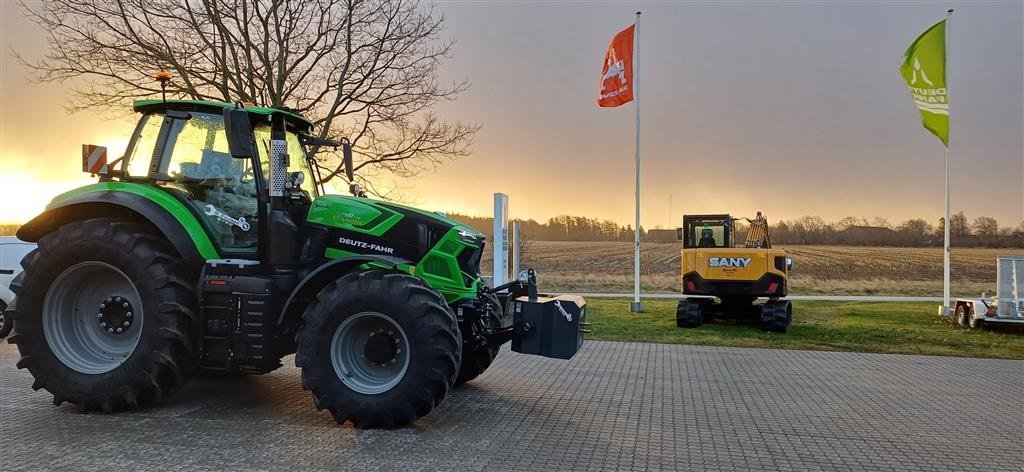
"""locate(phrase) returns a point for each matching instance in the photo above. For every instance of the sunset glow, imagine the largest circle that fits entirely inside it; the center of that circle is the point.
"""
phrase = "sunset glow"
(759, 119)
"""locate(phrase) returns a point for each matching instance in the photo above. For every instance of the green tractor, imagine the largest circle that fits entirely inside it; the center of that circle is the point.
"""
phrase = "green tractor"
(211, 248)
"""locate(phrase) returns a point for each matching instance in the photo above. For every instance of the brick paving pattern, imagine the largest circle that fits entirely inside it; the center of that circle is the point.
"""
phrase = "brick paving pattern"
(616, 406)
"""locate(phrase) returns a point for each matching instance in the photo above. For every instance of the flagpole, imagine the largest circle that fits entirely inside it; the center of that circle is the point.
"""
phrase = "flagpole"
(946, 249)
(636, 306)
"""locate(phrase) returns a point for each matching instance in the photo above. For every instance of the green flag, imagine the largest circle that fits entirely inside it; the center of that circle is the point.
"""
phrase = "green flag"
(924, 69)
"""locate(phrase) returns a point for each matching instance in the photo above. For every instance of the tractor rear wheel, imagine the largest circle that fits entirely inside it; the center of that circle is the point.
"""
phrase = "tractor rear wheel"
(5, 323)
(105, 315)
(776, 316)
(378, 348)
(689, 314)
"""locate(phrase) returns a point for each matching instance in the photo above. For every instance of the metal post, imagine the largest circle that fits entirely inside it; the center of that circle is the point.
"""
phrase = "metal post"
(1014, 296)
(1015, 301)
(949, 138)
(636, 306)
(500, 245)
(946, 248)
(517, 248)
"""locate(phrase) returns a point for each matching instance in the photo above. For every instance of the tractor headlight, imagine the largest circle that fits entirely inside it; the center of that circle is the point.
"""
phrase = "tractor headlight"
(524, 276)
(471, 238)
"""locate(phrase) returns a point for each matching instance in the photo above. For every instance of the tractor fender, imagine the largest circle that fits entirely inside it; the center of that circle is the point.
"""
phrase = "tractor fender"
(323, 275)
(116, 203)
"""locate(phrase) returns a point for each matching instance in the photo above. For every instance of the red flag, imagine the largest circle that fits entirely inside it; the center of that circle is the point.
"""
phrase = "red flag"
(617, 73)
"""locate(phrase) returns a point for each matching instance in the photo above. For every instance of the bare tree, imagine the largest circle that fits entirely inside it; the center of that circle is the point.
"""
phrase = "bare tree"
(916, 227)
(958, 225)
(985, 226)
(847, 222)
(362, 69)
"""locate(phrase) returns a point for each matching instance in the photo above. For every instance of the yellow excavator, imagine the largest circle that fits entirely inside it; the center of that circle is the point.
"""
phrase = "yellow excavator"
(721, 277)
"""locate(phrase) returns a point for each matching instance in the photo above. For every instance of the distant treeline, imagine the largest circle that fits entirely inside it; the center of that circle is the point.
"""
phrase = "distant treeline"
(559, 228)
(983, 231)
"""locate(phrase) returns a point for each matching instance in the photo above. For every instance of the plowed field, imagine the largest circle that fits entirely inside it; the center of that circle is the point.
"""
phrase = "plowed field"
(608, 266)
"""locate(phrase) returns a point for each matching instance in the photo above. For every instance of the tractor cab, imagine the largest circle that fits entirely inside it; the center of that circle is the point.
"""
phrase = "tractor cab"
(186, 148)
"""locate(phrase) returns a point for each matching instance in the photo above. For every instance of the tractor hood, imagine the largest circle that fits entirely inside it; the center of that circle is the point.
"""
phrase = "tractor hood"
(442, 251)
(376, 217)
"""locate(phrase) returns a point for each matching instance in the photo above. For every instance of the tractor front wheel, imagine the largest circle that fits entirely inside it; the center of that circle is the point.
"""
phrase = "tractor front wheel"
(104, 315)
(378, 348)
(477, 358)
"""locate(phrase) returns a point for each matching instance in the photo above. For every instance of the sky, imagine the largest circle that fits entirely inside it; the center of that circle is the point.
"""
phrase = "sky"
(788, 108)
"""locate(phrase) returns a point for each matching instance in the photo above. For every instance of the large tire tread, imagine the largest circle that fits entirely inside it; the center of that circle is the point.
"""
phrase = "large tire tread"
(776, 316)
(420, 390)
(690, 314)
(157, 367)
(476, 361)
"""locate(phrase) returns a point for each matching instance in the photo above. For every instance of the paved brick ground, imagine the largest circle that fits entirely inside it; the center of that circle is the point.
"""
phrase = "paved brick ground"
(617, 406)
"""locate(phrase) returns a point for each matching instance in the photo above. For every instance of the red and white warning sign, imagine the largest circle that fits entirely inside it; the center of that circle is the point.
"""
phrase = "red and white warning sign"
(94, 158)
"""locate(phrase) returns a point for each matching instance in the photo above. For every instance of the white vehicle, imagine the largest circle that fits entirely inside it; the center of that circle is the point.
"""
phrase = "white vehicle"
(12, 250)
(1007, 307)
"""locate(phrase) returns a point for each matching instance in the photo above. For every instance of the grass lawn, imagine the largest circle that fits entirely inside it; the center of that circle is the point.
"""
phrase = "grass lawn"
(903, 328)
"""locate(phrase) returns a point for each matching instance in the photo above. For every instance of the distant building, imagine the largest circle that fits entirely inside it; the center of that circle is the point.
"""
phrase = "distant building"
(867, 236)
(661, 236)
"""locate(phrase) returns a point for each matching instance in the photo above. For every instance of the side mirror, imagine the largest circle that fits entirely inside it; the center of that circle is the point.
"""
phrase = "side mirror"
(346, 157)
(239, 133)
(346, 154)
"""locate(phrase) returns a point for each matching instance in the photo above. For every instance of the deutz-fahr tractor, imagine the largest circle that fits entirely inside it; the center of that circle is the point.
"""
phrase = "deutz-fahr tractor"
(211, 248)
(714, 267)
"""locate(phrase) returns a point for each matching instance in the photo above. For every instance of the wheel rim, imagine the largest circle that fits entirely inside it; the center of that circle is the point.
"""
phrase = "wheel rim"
(92, 317)
(370, 353)
(3, 320)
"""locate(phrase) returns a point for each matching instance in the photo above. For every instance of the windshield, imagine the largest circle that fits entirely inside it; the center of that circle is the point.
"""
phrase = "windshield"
(297, 161)
(706, 232)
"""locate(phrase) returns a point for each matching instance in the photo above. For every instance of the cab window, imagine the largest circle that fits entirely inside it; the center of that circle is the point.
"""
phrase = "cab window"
(221, 188)
(707, 233)
(137, 163)
(297, 156)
